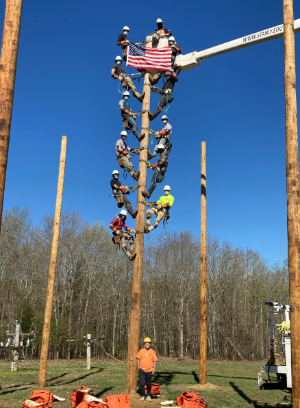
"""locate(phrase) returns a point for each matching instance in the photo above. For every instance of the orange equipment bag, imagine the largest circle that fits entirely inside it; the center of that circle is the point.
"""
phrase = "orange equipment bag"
(41, 398)
(155, 390)
(78, 396)
(121, 163)
(190, 400)
(118, 401)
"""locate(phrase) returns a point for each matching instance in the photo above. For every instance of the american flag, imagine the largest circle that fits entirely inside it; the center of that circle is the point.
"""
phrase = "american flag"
(149, 58)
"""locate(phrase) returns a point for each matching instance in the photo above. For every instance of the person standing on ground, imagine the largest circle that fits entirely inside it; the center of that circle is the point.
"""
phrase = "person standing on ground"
(146, 361)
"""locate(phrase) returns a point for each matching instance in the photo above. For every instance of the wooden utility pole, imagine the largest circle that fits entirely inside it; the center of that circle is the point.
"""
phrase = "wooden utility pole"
(88, 351)
(8, 68)
(52, 268)
(203, 282)
(135, 313)
(292, 188)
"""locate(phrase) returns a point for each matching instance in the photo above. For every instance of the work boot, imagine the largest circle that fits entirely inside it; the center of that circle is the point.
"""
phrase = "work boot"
(132, 257)
(155, 78)
(134, 214)
(140, 137)
(146, 228)
(140, 97)
(146, 194)
(136, 175)
(150, 115)
(149, 155)
(148, 398)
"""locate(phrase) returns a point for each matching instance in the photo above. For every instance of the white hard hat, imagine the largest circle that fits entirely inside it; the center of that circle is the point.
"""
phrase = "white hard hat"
(123, 212)
(118, 58)
(124, 133)
(126, 28)
(159, 20)
(126, 93)
(160, 146)
(172, 38)
(165, 117)
(167, 188)
(115, 172)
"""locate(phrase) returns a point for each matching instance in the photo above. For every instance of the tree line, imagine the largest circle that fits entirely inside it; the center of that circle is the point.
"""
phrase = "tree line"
(93, 290)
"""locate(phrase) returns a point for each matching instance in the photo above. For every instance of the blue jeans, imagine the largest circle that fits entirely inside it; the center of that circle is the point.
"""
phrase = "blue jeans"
(153, 182)
(161, 141)
(132, 125)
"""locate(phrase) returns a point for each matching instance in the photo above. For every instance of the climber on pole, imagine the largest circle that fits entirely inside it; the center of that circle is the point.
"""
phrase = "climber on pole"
(124, 157)
(129, 117)
(166, 93)
(120, 237)
(175, 49)
(123, 41)
(159, 168)
(163, 135)
(119, 192)
(118, 72)
(161, 31)
(160, 209)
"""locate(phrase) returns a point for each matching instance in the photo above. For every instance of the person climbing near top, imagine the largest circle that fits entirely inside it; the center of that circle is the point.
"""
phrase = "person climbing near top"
(119, 192)
(161, 31)
(160, 209)
(175, 49)
(159, 168)
(146, 362)
(166, 93)
(116, 225)
(163, 135)
(124, 157)
(118, 72)
(123, 41)
(129, 117)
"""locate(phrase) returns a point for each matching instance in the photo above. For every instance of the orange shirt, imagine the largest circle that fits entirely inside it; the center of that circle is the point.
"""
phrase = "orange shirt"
(146, 358)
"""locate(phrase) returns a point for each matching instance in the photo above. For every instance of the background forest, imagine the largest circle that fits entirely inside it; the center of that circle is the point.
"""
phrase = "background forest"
(93, 290)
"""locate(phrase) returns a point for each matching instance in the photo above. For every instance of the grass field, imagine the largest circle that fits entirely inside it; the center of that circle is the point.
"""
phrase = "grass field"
(230, 384)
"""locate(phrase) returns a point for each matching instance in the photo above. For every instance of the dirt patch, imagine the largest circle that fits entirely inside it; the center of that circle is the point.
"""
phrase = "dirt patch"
(208, 387)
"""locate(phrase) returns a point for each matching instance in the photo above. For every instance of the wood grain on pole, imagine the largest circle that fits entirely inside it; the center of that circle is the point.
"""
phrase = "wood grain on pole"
(88, 351)
(292, 188)
(16, 351)
(8, 68)
(52, 268)
(135, 313)
(203, 281)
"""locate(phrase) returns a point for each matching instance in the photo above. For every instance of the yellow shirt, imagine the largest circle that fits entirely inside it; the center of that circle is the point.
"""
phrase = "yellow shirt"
(146, 357)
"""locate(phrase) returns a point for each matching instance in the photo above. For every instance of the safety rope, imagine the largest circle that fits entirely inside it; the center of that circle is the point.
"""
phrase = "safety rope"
(145, 161)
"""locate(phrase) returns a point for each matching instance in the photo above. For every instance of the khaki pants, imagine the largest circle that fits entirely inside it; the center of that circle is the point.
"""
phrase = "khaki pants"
(128, 165)
(159, 216)
(127, 237)
(130, 85)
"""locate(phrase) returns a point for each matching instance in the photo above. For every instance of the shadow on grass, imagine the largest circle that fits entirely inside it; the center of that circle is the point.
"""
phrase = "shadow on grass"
(58, 376)
(80, 378)
(103, 392)
(166, 377)
(196, 377)
(18, 389)
(255, 404)
(238, 378)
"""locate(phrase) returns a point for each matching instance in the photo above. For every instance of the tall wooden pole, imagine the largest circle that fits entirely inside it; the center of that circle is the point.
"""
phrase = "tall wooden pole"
(203, 282)
(52, 268)
(8, 68)
(135, 313)
(292, 188)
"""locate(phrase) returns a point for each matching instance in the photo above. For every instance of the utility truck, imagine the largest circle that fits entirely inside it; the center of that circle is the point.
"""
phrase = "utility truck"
(279, 362)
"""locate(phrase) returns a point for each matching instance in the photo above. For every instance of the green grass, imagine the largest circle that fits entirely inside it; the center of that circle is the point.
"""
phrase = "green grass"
(231, 384)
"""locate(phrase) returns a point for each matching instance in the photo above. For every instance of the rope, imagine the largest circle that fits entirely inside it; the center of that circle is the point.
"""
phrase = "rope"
(142, 160)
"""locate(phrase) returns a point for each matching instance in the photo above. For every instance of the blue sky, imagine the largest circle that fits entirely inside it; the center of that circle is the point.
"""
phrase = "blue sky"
(235, 102)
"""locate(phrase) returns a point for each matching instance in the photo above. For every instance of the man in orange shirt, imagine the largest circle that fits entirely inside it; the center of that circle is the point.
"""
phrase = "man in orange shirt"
(146, 360)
